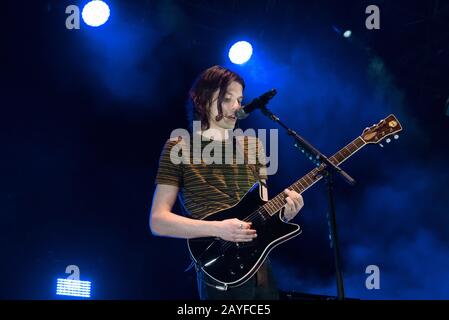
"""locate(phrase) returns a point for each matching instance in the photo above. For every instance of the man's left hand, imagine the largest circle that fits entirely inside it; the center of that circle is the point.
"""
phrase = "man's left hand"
(295, 203)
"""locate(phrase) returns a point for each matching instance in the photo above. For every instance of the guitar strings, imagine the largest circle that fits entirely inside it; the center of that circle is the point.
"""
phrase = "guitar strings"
(301, 189)
(257, 214)
(251, 218)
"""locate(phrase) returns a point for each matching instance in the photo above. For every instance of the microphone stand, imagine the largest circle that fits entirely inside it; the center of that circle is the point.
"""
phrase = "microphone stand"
(327, 172)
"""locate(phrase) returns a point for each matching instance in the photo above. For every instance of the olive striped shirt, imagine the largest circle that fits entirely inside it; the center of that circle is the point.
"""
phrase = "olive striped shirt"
(209, 187)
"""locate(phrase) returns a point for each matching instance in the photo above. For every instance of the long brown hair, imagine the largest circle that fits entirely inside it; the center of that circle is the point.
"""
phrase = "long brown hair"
(200, 95)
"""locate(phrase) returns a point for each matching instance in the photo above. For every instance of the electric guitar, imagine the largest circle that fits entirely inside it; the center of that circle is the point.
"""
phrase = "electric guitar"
(233, 263)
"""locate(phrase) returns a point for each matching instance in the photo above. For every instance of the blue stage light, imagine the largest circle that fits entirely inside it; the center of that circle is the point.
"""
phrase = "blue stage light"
(95, 13)
(240, 52)
(74, 288)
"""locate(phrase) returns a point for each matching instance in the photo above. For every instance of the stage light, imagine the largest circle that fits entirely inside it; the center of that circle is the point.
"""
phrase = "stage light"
(240, 52)
(347, 33)
(95, 13)
(74, 288)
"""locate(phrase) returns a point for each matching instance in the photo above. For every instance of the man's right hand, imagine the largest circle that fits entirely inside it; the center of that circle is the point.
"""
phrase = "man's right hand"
(236, 230)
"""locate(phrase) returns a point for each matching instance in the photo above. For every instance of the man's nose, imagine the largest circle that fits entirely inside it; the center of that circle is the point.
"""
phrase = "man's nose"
(237, 106)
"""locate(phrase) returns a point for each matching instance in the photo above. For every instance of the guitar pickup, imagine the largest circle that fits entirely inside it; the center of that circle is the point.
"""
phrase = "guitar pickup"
(245, 244)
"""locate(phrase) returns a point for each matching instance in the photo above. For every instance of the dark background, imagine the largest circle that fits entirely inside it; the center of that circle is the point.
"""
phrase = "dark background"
(86, 112)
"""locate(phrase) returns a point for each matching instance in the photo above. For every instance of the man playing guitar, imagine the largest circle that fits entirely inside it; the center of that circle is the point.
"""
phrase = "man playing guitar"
(207, 188)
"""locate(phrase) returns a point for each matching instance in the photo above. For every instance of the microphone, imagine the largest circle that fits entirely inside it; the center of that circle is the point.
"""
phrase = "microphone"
(257, 103)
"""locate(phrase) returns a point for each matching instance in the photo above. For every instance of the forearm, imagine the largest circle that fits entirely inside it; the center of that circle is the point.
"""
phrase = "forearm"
(170, 224)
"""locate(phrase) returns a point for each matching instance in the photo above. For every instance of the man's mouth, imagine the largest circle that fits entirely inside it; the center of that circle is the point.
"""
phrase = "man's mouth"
(232, 117)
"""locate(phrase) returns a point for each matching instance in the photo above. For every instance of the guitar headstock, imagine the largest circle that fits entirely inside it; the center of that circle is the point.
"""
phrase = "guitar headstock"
(387, 127)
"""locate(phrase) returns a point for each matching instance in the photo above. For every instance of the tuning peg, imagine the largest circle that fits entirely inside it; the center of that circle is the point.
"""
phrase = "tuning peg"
(396, 137)
(381, 145)
(388, 140)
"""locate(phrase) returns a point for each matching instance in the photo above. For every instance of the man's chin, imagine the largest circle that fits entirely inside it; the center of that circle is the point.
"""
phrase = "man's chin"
(229, 127)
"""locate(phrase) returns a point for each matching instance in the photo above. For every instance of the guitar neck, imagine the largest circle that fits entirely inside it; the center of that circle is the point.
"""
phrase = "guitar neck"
(275, 204)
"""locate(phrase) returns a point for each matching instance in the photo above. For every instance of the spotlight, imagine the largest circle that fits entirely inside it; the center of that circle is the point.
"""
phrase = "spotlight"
(240, 52)
(74, 288)
(347, 33)
(95, 13)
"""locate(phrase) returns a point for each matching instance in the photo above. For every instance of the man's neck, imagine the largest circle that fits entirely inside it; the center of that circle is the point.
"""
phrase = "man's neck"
(216, 133)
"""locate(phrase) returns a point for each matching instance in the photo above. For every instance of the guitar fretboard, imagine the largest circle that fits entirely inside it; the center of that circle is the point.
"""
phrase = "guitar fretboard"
(275, 204)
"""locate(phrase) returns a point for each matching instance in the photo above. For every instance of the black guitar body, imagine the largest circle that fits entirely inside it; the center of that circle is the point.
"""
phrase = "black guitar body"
(233, 263)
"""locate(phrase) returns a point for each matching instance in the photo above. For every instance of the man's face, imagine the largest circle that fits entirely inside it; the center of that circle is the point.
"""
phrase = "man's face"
(231, 103)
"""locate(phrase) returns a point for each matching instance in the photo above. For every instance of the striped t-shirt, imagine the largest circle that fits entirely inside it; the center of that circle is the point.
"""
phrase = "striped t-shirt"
(207, 188)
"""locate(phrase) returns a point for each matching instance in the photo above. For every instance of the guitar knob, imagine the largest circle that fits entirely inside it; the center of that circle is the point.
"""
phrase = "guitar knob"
(396, 137)
(388, 140)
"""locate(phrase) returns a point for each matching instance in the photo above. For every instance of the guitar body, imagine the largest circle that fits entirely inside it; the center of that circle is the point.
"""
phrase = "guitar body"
(231, 263)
